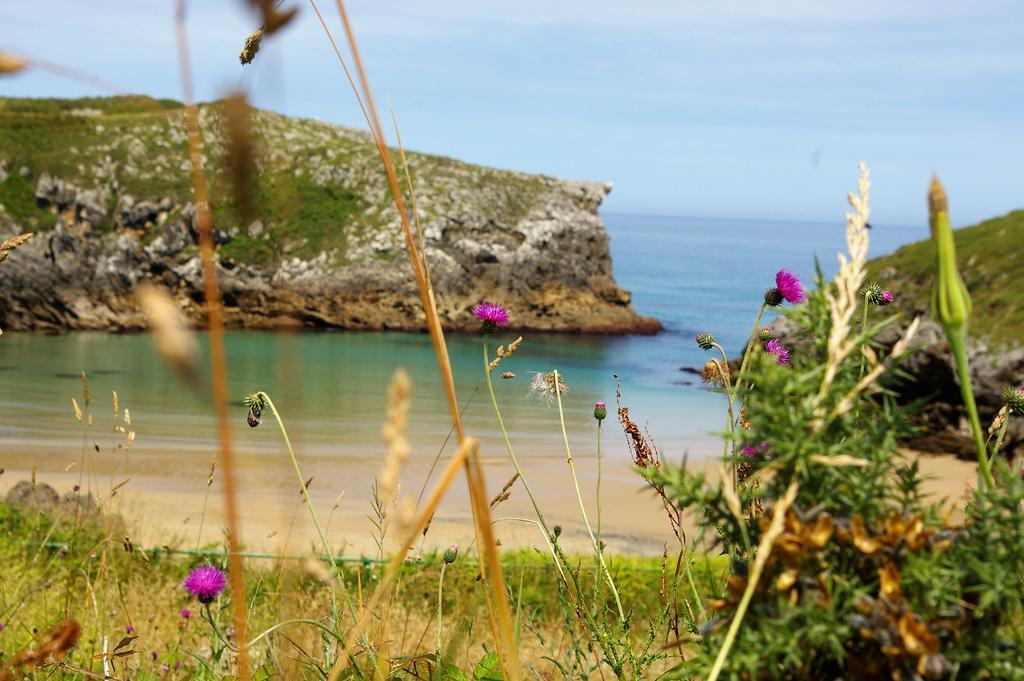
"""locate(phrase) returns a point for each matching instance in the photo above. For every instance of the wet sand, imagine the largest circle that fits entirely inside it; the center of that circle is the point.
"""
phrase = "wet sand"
(163, 503)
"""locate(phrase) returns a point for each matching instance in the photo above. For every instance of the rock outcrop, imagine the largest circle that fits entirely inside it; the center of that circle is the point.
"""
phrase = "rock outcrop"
(326, 249)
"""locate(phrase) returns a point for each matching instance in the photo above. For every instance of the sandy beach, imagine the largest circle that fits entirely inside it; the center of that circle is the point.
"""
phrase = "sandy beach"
(164, 504)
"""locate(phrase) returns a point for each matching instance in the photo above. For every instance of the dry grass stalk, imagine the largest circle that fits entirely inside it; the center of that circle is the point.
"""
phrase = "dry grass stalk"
(504, 352)
(241, 156)
(358, 633)
(251, 47)
(433, 319)
(218, 367)
(844, 298)
(394, 434)
(172, 335)
(273, 19)
(10, 244)
(505, 492)
(11, 63)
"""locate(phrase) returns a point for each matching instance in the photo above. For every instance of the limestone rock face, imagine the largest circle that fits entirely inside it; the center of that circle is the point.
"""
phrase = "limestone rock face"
(326, 249)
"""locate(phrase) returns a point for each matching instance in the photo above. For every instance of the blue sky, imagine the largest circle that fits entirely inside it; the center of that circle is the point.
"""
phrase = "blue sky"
(715, 108)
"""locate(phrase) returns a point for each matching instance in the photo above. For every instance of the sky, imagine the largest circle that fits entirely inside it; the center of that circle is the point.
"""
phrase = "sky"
(713, 108)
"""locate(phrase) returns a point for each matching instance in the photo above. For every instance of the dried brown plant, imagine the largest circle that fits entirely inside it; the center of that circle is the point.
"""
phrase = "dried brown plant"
(172, 335)
(58, 642)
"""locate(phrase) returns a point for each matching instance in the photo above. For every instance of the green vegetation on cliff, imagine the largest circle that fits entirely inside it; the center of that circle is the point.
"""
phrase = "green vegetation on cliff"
(988, 254)
(319, 187)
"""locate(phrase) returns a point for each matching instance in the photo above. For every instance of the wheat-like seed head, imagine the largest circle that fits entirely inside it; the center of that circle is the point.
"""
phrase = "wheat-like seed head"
(843, 297)
(394, 434)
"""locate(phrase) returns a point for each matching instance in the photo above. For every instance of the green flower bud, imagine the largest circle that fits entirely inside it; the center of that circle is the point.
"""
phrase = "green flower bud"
(450, 554)
(773, 297)
(705, 341)
(1014, 399)
(951, 304)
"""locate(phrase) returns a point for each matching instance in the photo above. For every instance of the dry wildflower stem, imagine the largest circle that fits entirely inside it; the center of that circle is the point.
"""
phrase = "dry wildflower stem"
(218, 367)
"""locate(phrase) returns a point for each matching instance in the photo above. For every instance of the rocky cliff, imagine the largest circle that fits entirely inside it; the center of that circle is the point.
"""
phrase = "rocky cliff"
(105, 184)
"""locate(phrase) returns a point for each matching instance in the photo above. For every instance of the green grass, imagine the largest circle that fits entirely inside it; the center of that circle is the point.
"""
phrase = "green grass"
(989, 254)
(107, 589)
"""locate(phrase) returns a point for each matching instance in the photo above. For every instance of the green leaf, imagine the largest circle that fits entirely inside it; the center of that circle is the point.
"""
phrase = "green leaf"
(488, 668)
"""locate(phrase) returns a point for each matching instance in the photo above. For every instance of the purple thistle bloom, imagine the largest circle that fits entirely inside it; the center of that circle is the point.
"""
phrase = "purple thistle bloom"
(205, 583)
(789, 286)
(129, 629)
(779, 350)
(185, 613)
(755, 450)
(886, 298)
(491, 316)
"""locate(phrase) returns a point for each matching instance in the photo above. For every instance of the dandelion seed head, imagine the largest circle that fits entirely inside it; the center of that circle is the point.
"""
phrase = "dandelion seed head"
(548, 385)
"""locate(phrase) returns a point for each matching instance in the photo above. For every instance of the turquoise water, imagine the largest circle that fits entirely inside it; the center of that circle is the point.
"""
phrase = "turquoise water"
(693, 274)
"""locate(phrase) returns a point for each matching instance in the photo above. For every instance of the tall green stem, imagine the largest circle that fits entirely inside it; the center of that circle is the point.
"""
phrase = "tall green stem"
(957, 342)
(751, 342)
(440, 592)
(508, 443)
(600, 546)
(309, 506)
(863, 330)
(298, 474)
(579, 498)
(731, 422)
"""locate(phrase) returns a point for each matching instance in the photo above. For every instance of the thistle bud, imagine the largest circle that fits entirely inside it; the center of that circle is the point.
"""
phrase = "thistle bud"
(705, 341)
(773, 297)
(951, 304)
(1014, 399)
(600, 413)
(451, 554)
(557, 531)
(256, 403)
(764, 335)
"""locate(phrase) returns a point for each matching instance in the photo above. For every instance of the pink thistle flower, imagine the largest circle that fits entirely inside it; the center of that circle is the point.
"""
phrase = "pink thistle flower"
(789, 286)
(205, 583)
(886, 298)
(779, 350)
(755, 450)
(185, 613)
(129, 629)
(491, 316)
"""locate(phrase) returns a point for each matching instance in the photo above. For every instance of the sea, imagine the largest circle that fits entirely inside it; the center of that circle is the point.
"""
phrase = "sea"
(693, 274)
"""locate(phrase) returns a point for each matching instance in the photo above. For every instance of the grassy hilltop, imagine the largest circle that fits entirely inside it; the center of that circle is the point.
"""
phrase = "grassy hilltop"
(988, 254)
(319, 186)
